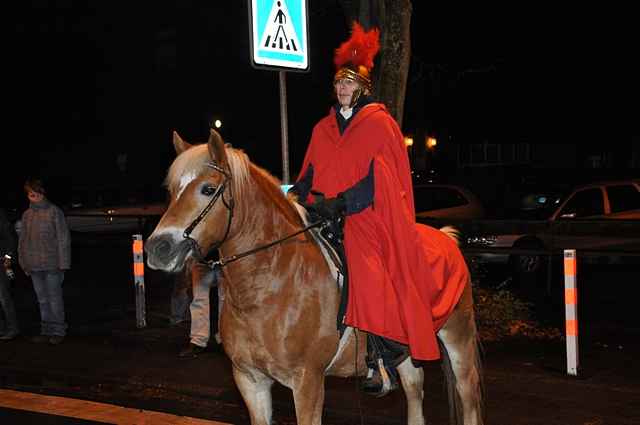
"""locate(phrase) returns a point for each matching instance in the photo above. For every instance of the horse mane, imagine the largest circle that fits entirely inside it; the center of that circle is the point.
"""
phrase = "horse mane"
(193, 162)
(270, 186)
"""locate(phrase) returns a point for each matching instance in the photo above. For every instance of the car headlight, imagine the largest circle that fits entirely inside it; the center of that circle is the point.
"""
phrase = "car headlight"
(481, 240)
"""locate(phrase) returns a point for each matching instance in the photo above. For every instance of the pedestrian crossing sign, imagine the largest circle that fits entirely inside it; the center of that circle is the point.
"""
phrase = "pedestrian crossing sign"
(279, 34)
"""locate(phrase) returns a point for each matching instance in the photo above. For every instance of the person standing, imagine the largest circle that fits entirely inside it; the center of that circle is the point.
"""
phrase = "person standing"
(181, 295)
(44, 254)
(8, 319)
(356, 173)
(202, 279)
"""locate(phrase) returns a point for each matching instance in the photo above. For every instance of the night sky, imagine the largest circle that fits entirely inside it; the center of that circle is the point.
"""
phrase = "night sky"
(87, 82)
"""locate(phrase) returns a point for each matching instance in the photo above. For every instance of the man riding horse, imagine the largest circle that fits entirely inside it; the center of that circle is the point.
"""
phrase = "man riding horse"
(356, 174)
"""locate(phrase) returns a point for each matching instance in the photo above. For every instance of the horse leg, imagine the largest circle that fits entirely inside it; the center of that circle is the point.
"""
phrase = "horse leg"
(461, 361)
(412, 379)
(308, 397)
(255, 388)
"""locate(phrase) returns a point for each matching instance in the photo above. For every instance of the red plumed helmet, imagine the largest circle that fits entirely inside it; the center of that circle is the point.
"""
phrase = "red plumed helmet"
(354, 57)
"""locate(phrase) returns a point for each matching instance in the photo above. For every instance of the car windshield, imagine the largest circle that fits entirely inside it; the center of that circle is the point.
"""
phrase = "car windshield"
(539, 205)
(428, 198)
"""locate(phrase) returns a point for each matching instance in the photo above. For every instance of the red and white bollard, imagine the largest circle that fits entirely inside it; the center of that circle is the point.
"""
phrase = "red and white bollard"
(138, 276)
(571, 310)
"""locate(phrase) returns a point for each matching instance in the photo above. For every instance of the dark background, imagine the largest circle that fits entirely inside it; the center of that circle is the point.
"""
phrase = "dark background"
(86, 82)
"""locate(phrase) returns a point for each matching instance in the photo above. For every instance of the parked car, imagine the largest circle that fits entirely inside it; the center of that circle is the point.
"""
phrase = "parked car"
(115, 219)
(597, 217)
(446, 201)
(113, 209)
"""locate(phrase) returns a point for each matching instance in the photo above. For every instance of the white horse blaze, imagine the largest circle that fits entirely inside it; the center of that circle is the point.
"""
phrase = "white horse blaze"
(184, 182)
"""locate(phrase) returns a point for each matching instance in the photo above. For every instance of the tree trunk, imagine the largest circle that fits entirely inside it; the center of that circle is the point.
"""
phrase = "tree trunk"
(393, 18)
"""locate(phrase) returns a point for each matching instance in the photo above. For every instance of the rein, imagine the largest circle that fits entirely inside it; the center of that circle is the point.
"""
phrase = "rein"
(230, 259)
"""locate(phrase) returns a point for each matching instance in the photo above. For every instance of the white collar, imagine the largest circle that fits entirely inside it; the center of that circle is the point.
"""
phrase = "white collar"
(346, 113)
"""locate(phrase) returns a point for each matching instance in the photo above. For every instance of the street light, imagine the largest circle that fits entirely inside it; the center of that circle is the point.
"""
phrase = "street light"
(408, 142)
(430, 143)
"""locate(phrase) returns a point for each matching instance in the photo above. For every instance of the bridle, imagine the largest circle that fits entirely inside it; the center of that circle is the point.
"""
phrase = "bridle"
(230, 204)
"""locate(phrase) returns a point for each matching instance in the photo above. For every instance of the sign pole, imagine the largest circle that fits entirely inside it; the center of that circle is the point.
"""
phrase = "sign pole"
(284, 127)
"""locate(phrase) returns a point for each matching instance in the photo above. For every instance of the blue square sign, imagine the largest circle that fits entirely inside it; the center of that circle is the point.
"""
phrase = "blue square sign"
(279, 34)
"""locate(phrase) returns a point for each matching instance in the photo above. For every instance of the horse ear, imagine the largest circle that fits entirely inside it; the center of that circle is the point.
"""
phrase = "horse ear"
(179, 144)
(216, 147)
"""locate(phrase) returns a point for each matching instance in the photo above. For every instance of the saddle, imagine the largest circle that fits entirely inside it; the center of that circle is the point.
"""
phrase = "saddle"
(329, 239)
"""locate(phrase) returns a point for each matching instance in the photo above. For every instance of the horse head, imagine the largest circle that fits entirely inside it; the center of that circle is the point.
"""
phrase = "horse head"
(201, 205)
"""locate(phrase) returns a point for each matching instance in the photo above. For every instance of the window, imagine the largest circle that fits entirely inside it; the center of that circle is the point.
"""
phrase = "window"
(523, 152)
(507, 152)
(585, 203)
(492, 152)
(478, 154)
(623, 197)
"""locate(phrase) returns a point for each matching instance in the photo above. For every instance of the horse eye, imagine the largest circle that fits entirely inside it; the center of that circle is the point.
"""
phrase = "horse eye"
(208, 190)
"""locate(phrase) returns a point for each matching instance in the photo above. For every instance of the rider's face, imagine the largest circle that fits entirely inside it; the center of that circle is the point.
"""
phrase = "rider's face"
(344, 91)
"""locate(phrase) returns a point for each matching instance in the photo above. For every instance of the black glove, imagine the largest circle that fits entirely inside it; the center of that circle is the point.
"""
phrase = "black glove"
(329, 208)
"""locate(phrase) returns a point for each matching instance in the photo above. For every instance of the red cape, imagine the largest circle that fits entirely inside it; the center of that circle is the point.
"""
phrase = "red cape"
(404, 278)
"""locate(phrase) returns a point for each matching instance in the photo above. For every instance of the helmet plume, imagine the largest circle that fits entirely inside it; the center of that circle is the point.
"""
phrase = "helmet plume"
(360, 49)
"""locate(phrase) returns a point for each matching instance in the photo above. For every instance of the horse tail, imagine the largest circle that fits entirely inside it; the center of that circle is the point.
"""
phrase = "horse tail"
(456, 411)
(452, 232)
(455, 405)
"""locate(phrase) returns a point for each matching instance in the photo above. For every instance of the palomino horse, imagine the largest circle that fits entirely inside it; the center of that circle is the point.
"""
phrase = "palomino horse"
(278, 321)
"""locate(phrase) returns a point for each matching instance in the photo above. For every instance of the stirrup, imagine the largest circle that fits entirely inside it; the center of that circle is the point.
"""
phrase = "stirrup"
(379, 382)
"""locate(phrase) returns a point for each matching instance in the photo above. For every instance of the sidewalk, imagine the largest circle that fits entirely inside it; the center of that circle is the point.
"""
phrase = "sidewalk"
(106, 358)
(138, 368)
(115, 361)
